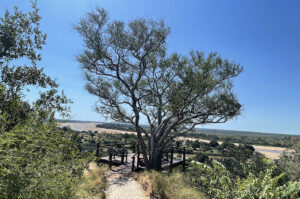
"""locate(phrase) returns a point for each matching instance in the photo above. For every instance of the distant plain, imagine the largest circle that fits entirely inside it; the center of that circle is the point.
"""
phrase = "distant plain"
(269, 151)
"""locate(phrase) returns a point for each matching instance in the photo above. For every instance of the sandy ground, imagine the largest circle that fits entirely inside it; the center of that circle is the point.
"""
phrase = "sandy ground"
(268, 151)
(81, 126)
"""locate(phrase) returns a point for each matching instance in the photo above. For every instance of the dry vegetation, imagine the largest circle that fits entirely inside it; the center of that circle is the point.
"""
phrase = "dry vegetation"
(94, 182)
(164, 186)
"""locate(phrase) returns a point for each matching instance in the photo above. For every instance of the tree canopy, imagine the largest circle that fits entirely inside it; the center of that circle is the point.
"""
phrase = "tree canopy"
(21, 41)
(128, 68)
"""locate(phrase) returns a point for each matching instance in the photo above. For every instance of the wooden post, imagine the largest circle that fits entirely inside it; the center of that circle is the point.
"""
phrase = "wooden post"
(110, 160)
(133, 160)
(138, 158)
(97, 151)
(126, 156)
(122, 157)
(171, 163)
(183, 159)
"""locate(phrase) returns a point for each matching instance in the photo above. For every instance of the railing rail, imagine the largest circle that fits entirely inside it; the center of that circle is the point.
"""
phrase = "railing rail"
(171, 151)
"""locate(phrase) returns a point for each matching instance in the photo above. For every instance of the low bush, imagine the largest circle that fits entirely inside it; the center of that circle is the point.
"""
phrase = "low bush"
(217, 182)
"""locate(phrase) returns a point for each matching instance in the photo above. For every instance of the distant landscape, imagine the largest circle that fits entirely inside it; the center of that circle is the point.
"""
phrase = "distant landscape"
(121, 126)
(159, 71)
(271, 145)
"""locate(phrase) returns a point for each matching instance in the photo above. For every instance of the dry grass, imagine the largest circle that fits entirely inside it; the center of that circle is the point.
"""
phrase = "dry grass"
(144, 180)
(164, 186)
(94, 182)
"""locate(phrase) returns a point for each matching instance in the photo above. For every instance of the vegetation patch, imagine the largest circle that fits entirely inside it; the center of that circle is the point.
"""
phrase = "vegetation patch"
(94, 182)
(165, 186)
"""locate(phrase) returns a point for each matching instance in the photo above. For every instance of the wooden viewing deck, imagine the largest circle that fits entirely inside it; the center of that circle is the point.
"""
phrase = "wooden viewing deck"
(134, 161)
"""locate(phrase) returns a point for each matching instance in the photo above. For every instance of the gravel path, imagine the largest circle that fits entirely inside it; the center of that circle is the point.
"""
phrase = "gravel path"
(121, 185)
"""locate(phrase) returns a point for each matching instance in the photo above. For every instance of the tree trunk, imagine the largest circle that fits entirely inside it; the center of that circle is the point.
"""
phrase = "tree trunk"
(155, 155)
(143, 150)
(153, 161)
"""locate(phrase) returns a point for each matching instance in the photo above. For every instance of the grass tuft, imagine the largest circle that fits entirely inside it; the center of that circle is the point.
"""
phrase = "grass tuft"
(94, 182)
(167, 186)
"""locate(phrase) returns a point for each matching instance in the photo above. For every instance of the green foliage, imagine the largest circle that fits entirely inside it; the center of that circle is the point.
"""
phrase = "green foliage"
(201, 158)
(213, 143)
(126, 65)
(20, 35)
(36, 161)
(22, 40)
(88, 140)
(217, 182)
(195, 144)
(117, 126)
(289, 162)
(233, 157)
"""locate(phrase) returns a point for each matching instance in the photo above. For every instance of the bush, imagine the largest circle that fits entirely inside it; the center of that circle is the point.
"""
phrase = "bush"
(289, 162)
(195, 144)
(217, 182)
(201, 157)
(213, 143)
(36, 161)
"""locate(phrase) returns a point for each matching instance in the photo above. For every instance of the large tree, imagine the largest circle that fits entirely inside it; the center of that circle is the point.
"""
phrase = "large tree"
(127, 67)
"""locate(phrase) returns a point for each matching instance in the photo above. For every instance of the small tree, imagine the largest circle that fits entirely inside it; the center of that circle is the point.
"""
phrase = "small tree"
(127, 67)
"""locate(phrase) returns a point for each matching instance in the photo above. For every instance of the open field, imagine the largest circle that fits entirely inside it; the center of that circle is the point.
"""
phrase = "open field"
(268, 151)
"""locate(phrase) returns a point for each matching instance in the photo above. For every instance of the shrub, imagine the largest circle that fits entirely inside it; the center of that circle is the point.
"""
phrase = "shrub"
(217, 182)
(213, 143)
(36, 161)
(289, 162)
(201, 157)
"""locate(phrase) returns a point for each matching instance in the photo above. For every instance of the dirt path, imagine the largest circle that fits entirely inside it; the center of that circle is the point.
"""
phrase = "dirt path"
(121, 185)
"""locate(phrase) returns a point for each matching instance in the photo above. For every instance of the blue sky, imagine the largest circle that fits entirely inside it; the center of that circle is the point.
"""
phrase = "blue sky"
(263, 36)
